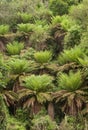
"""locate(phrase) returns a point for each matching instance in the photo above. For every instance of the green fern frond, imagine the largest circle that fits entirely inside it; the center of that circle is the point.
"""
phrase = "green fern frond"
(70, 82)
(25, 17)
(14, 48)
(38, 83)
(25, 27)
(83, 62)
(43, 56)
(71, 55)
(4, 29)
(17, 66)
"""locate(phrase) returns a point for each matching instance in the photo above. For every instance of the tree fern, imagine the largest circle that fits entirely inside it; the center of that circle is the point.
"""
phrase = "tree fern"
(71, 55)
(43, 56)
(70, 82)
(25, 17)
(4, 29)
(38, 83)
(26, 28)
(17, 66)
(14, 48)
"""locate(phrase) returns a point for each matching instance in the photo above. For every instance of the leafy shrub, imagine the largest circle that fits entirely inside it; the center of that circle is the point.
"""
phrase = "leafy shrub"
(14, 48)
(39, 35)
(4, 29)
(38, 83)
(43, 56)
(71, 55)
(25, 27)
(73, 36)
(84, 42)
(71, 123)
(43, 13)
(9, 10)
(70, 82)
(43, 123)
(59, 7)
(14, 124)
(80, 13)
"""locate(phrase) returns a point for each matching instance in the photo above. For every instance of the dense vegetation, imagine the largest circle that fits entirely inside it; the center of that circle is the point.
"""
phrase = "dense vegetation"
(43, 65)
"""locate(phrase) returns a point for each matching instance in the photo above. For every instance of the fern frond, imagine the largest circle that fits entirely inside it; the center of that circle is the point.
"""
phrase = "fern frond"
(14, 48)
(38, 83)
(70, 82)
(71, 55)
(43, 56)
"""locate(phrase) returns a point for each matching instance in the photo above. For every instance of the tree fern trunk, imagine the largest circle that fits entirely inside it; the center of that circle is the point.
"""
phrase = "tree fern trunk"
(2, 114)
(51, 110)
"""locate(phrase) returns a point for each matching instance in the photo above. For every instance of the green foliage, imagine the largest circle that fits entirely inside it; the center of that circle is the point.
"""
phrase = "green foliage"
(14, 48)
(14, 124)
(26, 28)
(65, 21)
(43, 24)
(71, 123)
(84, 42)
(38, 83)
(84, 61)
(25, 17)
(9, 10)
(4, 29)
(70, 82)
(73, 36)
(40, 34)
(17, 66)
(43, 123)
(3, 81)
(28, 53)
(22, 115)
(58, 7)
(56, 19)
(80, 13)
(43, 13)
(71, 55)
(43, 56)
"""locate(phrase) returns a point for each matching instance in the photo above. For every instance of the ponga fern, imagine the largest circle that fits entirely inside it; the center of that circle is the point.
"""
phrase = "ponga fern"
(25, 27)
(43, 56)
(70, 82)
(17, 66)
(25, 17)
(37, 91)
(14, 48)
(71, 55)
(38, 83)
(4, 29)
(56, 20)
